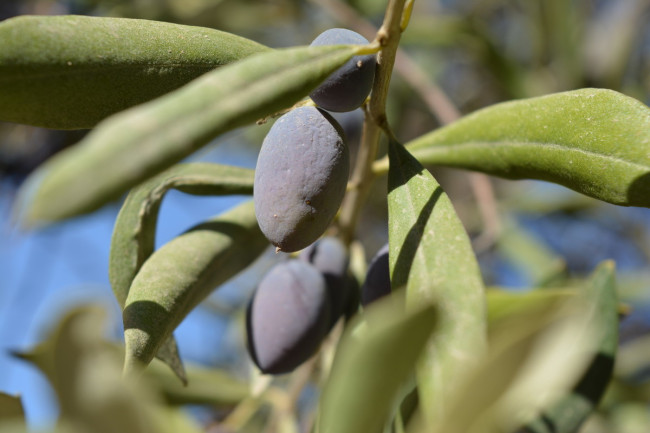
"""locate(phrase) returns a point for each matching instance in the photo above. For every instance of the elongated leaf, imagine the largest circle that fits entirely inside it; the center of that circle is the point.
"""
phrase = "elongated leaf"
(430, 254)
(134, 145)
(372, 364)
(134, 233)
(568, 414)
(594, 141)
(84, 371)
(514, 337)
(182, 273)
(70, 72)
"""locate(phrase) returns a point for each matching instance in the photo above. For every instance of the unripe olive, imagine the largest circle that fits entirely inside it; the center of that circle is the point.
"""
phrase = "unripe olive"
(348, 86)
(300, 178)
(288, 317)
(377, 283)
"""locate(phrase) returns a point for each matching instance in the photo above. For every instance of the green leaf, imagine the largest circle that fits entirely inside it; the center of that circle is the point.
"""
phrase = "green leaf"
(568, 413)
(594, 141)
(375, 357)
(182, 273)
(134, 233)
(430, 253)
(70, 72)
(11, 407)
(85, 372)
(138, 143)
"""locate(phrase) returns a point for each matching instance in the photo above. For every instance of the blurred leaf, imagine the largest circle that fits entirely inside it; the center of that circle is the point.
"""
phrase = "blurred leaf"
(512, 342)
(568, 414)
(538, 351)
(134, 233)
(430, 254)
(181, 273)
(70, 72)
(213, 387)
(591, 140)
(374, 358)
(85, 372)
(11, 407)
(138, 143)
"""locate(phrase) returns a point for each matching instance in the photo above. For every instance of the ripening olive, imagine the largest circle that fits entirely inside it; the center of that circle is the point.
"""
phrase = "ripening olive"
(348, 86)
(288, 317)
(300, 179)
(377, 283)
(330, 257)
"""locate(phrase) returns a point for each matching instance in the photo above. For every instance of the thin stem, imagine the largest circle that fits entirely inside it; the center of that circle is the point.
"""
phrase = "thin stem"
(374, 122)
(438, 103)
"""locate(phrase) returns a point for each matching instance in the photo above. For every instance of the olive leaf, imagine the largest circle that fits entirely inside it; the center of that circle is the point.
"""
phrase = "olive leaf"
(138, 143)
(431, 255)
(85, 372)
(373, 360)
(134, 233)
(181, 274)
(70, 72)
(543, 345)
(568, 413)
(594, 141)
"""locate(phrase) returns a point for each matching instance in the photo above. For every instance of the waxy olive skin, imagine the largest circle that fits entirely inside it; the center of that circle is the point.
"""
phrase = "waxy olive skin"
(288, 317)
(348, 86)
(377, 283)
(330, 257)
(300, 178)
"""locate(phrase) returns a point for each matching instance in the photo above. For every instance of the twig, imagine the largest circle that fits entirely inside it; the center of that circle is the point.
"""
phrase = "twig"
(440, 106)
(375, 120)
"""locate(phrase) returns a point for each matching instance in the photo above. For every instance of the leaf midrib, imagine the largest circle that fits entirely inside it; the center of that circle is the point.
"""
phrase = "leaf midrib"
(534, 145)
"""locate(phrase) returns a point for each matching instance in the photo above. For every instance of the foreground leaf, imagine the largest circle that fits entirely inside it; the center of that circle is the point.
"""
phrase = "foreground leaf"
(569, 413)
(70, 72)
(136, 144)
(182, 273)
(594, 141)
(537, 353)
(371, 365)
(430, 253)
(85, 372)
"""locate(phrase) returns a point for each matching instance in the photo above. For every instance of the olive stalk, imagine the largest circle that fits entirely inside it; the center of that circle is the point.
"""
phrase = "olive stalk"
(375, 121)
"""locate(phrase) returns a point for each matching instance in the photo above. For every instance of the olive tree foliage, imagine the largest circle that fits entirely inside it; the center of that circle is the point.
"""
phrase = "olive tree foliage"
(438, 353)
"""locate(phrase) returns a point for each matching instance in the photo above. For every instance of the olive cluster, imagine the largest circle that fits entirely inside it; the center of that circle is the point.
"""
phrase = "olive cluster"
(297, 303)
(300, 181)
(303, 166)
